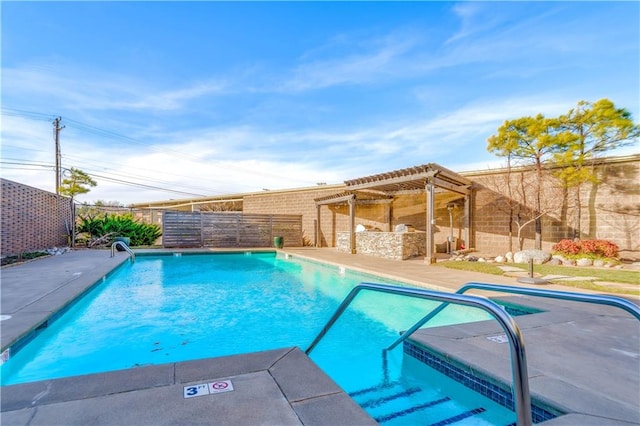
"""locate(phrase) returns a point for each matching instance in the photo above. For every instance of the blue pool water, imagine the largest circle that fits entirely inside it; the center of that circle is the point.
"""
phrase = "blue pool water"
(174, 308)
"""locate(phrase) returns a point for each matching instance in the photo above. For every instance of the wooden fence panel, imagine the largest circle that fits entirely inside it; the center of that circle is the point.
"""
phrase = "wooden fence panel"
(220, 229)
(181, 229)
(225, 230)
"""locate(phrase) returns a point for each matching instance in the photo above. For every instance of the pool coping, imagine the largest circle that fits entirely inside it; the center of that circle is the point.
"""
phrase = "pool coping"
(281, 386)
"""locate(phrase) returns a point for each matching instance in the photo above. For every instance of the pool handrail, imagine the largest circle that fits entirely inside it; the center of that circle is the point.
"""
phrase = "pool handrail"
(598, 299)
(124, 246)
(521, 397)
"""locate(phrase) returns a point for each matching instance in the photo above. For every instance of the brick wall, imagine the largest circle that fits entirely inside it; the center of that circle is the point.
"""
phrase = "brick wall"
(32, 219)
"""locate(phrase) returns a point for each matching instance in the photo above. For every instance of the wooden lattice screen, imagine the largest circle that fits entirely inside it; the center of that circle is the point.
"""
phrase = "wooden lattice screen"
(220, 230)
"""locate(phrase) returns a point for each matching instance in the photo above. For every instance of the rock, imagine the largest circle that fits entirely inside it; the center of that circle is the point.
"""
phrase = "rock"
(482, 259)
(598, 263)
(472, 259)
(538, 256)
(584, 262)
(500, 259)
(56, 251)
(554, 261)
(509, 256)
(569, 262)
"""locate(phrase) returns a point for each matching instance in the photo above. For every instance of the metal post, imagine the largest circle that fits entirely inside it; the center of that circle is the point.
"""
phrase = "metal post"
(431, 221)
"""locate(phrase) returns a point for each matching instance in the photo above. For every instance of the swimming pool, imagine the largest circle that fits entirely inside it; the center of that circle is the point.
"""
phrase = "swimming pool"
(173, 308)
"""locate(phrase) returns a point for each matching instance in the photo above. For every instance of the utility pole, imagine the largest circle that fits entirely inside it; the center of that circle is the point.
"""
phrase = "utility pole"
(56, 135)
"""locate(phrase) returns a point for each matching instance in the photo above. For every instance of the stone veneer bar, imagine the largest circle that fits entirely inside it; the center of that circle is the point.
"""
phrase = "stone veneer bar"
(389, 245)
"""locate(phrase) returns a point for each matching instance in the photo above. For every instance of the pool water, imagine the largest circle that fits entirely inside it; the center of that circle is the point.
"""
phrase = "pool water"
(174, 308)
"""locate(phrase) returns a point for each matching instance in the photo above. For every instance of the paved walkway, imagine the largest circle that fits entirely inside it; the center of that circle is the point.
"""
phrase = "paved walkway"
(418, 272)
(584, 360)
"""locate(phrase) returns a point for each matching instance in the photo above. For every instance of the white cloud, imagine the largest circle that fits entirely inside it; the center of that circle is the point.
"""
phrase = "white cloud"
(74, 88)
(371, 61)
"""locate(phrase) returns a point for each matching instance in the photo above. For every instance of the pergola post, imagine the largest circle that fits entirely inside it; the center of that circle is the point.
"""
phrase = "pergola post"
(431, 220)
(467, 220)
(387, 216)
(318, 227)
(352, 223)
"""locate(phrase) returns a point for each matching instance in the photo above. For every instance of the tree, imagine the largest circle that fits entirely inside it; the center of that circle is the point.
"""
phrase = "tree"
(530, 141)
(595, 129)
(76, 183)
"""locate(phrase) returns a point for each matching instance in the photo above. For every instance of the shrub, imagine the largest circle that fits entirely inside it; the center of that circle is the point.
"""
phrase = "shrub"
(566, 247)
(120, 225)
(590, 248)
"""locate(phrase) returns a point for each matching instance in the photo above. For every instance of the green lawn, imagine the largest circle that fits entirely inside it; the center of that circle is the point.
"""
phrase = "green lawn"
(622, 276)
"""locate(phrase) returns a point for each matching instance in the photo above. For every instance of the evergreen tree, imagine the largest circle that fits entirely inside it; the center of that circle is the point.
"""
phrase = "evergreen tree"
(596, 128)
(77, 183)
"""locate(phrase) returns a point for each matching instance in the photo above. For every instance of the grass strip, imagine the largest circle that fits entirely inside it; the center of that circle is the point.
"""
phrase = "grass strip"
(621, 276)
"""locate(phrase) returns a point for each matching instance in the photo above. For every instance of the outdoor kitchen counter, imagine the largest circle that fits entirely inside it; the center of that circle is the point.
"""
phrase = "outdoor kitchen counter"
(389, 245)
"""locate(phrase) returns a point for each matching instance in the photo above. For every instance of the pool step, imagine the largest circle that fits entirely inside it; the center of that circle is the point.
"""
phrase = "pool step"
(395, 402)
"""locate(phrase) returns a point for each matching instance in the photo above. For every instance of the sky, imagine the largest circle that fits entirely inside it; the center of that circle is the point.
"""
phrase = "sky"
(174, 100)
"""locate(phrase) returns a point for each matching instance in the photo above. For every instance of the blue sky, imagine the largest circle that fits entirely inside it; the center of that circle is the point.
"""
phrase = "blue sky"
(210, 98)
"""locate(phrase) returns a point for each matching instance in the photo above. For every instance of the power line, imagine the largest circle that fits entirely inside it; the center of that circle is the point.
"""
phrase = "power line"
(106, 178)
(141, 185)
(122, 138)
(12, 112)
(126, 139)
(24, 162)
(82, 161)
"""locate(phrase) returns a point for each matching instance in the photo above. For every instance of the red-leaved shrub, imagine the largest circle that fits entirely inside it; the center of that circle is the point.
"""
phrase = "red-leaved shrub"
(566, 247)
(598, 248)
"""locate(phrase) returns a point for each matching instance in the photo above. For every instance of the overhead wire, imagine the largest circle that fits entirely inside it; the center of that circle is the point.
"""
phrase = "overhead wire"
(140, 178)
(98, 176)
(121, 138)
(81, 161)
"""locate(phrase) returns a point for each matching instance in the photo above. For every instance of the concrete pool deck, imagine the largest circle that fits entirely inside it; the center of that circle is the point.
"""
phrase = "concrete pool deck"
(584, 360)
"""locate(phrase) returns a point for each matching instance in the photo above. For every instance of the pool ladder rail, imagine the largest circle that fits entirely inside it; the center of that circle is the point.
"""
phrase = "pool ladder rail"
(597, 299)
(522, 396)
(125, 247)
(519, 372)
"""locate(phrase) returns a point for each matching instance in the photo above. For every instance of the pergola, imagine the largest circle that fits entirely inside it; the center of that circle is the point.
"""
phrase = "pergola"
(382, 188)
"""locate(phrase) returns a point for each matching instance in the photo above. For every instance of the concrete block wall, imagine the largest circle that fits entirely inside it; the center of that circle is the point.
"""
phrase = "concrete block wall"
(610, 210)
(32, 219)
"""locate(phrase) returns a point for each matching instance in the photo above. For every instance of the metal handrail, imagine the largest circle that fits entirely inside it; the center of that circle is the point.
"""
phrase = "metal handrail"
(124, 246)
(521, 395)
(598, 299)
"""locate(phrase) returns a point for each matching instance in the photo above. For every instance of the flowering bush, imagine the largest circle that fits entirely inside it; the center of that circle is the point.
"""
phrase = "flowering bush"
(566, 247)
(590, 248)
